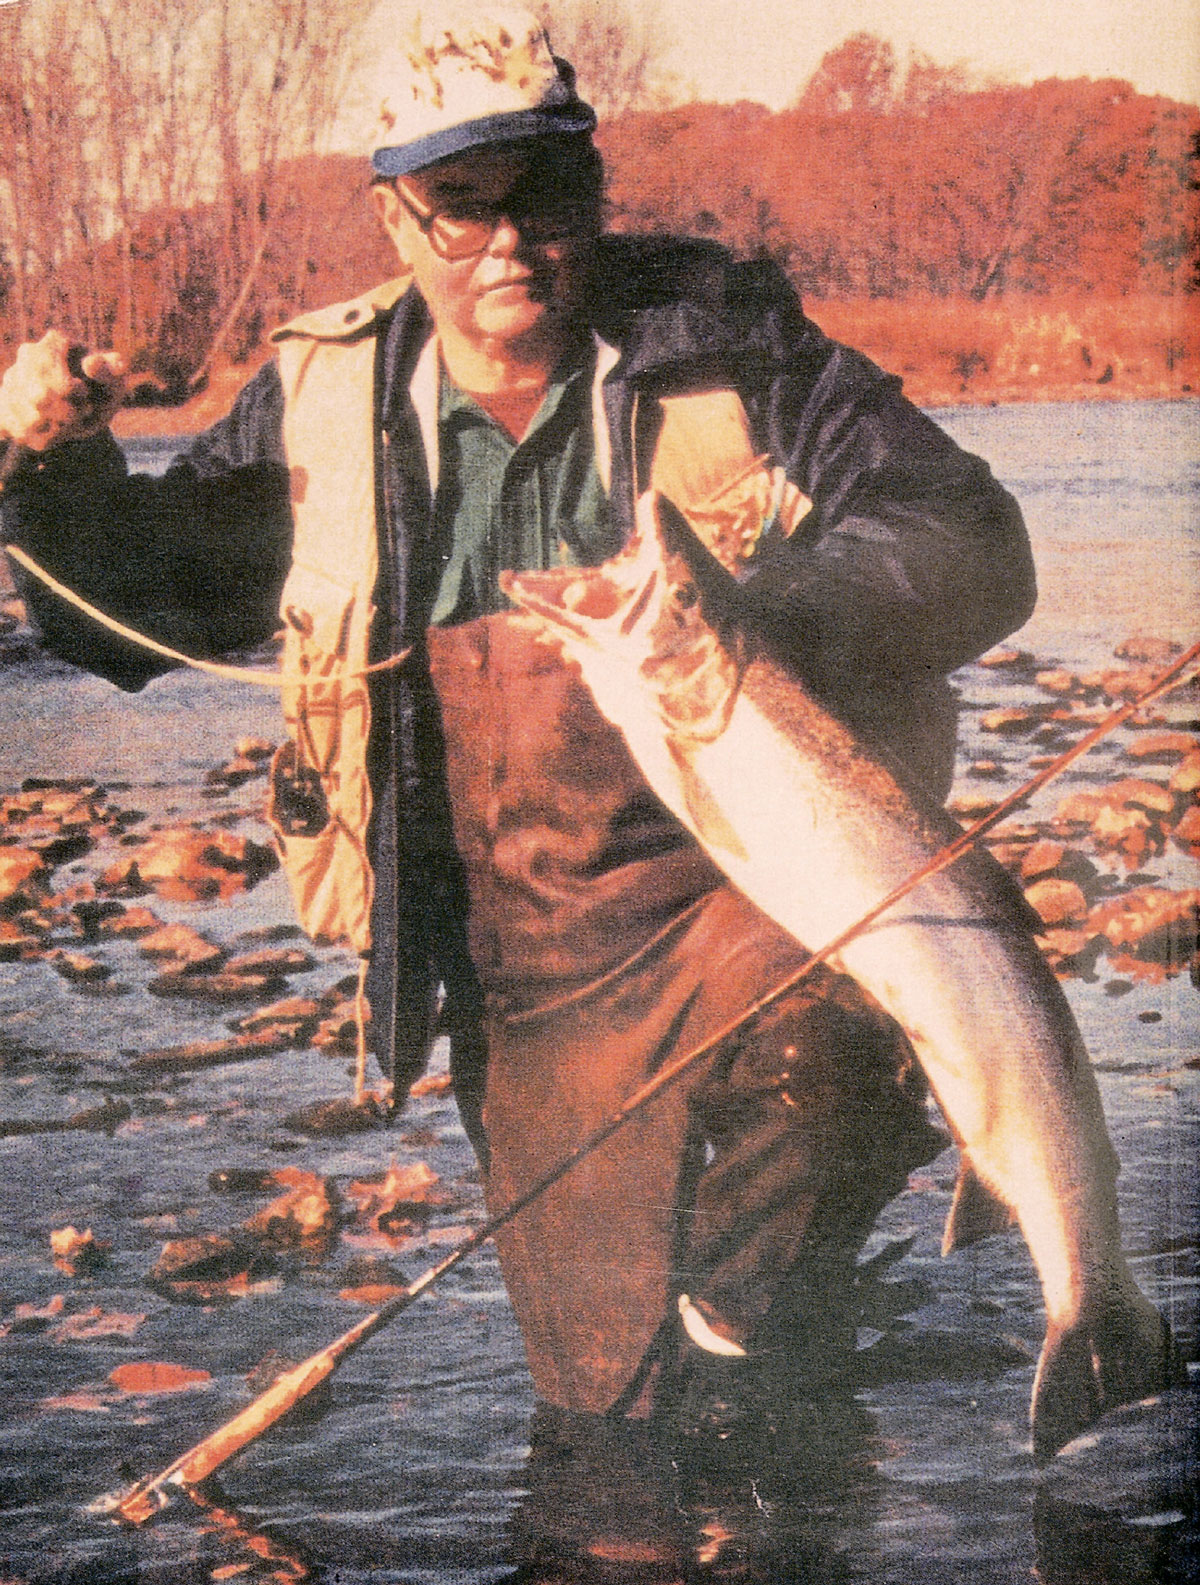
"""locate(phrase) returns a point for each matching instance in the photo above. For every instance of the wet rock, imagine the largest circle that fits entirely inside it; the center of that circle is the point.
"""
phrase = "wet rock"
(241, 1180)
(1186, 834)
(187, 864)
(1071, 952)
(1049, 858)
(272, 960)
(257, 749)
(399, 1203)
(208, 1268)
(223, 990)
(34, 1317)
(130, 923)
(18, 943)
(24, 879)
(1145, 647)
(985, 769)
(183, 949)
(1061, 683)
(972, 806)
(332, 1119)
(95, 1323)
(1012, 720)
(77, 968)
(1162, 748)
(194, 1055)
(76, 1252)
(1057, 902)
(1118, 1505)
(106, 1118)
(147, 1379)
(304, 1219)
(337, 1033)
(293, 1020)
(1151, 925)
(235, 772)
(1184, 780)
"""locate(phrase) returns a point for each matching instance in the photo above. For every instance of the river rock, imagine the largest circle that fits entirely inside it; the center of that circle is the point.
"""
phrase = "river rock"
(130, 923)
(1047, 857)
(187, 864)
(208, 1267)
(1005, 659)
(76, 1252)
(1012, 720)
(1187, 832)
(1151, 924)
(197, 1054)
(147, 1378)
(272, 960)
(184, 950)
(1161, 748)
(332, 1119)
(24, 879)
(18, 942)
(222, 990)
(78, 968)
(304, 1219)
(1118, 1505)
(1057, 902)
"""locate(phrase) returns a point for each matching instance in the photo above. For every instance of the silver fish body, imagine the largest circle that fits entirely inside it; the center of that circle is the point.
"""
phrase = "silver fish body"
(816, 832)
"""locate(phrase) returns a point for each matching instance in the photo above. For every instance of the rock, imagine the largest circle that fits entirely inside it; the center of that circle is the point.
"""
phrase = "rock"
(1047, 857)
(197, 1054)
(185, 949)
(1162, 747)
(146, 1379)
(400, 1202)
(293, 1019)
(186, 864)
(1187, 832)
(78, 968)
(210, 1267)
(1070, 952)
(1143, 647)
(34, 1317)
(985, 769)
(303, 1219)
(24, 879)
(1062, 683)
(1151, 924)
(1057, 902)
(75, 1252)
(1184, 780)
(970, 806)
(17, 943)
(241, 1180)
(130, 923)
(272, 960)
(1117, 1506)
(224, 990)
(332, 1119)
(1012, 720)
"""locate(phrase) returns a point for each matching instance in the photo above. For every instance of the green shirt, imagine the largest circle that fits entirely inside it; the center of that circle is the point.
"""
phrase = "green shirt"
(501, 504)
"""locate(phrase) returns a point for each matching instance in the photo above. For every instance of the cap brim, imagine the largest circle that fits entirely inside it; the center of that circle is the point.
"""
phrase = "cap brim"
(403, 159)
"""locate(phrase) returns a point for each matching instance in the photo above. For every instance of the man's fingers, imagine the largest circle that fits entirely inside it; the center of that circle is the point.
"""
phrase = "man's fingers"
(56, 391)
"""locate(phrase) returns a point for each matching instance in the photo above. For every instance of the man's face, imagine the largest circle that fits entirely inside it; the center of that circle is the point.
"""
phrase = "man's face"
(533, 232)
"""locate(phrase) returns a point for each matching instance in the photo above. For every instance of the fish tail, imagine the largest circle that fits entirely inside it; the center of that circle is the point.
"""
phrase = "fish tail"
(1120, 1352)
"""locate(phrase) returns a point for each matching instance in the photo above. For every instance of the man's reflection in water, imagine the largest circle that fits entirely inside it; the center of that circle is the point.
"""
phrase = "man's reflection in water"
(773, 1499)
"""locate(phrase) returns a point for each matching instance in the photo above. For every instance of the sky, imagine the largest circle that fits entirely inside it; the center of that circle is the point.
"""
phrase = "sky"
(721, 48)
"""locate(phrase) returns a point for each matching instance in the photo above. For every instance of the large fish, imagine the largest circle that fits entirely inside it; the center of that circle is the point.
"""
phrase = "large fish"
(816, 831)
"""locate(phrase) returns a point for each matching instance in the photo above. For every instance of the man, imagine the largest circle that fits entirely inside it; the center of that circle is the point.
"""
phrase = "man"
(467, 819)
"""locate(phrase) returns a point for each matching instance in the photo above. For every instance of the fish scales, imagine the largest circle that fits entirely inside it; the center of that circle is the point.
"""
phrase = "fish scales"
(816, 831)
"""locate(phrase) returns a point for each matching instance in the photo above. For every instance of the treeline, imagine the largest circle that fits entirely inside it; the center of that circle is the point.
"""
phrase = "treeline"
(163, 189)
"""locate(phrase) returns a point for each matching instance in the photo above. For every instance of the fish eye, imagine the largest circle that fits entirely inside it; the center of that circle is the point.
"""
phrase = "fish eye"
(686, 596)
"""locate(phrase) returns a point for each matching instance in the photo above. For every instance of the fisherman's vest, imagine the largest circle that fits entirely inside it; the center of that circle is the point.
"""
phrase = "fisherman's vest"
(320, 799)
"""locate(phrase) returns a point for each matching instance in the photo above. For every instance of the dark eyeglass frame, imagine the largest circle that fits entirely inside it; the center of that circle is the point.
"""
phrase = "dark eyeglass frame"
(540, 218)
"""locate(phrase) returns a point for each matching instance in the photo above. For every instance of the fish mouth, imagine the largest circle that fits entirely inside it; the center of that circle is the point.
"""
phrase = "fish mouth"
(570, 599)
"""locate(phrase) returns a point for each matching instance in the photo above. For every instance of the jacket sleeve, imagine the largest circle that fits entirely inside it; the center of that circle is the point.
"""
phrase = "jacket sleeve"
(913, 559)
(194, 559)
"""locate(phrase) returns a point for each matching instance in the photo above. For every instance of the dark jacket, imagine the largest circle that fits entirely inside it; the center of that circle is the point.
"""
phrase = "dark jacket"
(912, 561)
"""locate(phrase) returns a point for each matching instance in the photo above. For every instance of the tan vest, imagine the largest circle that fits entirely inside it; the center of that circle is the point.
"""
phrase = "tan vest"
(703, 460)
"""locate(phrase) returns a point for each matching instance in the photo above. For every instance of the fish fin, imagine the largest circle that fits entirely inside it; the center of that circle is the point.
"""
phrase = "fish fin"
(1121, 1352)
(975, 1211)
(705, 813)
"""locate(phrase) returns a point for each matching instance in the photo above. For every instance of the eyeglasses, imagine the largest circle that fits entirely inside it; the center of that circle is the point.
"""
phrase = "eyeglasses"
(464, 228)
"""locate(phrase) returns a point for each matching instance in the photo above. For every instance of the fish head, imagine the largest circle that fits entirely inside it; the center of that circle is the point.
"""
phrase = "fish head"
(642, 612)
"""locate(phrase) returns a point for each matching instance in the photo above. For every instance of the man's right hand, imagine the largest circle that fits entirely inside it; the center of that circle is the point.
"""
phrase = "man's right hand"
(52, 393)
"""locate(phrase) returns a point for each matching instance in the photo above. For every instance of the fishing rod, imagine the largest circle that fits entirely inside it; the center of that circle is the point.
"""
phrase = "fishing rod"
(146, 1497)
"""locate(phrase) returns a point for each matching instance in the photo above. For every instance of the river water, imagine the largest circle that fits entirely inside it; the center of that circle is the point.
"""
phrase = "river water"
(415, 1464)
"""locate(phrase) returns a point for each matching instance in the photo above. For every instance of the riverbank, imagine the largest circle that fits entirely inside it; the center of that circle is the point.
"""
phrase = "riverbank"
(949, 353)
